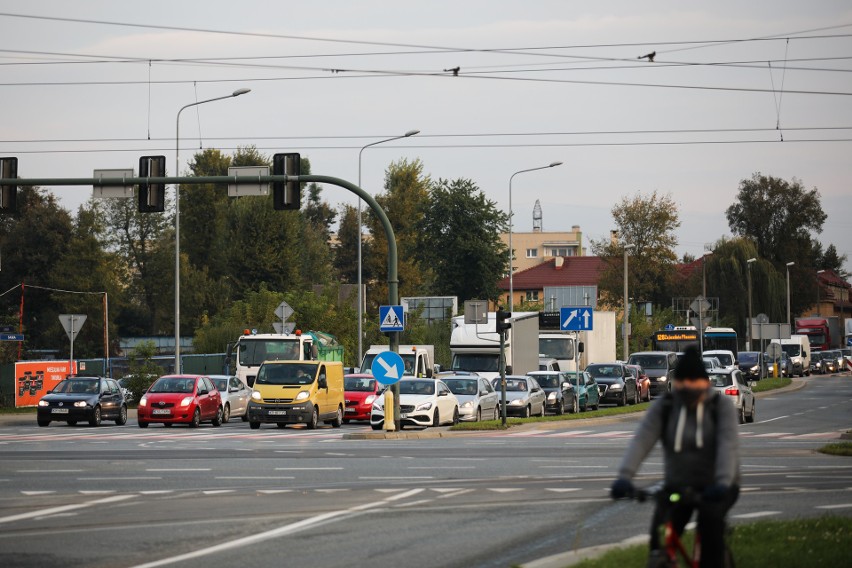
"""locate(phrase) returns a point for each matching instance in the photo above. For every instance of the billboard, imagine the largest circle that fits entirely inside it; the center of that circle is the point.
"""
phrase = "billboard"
(34, 378)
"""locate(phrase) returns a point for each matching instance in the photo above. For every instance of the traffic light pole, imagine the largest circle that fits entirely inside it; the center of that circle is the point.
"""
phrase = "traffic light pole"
(392, 279)
(503, 376)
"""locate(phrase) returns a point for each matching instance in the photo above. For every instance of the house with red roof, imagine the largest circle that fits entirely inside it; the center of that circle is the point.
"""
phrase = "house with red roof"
(528, 285)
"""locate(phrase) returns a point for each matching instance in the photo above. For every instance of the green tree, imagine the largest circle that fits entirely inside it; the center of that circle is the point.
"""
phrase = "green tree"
(459, 239)
(831, 260)
(142, 370)
(346, 251)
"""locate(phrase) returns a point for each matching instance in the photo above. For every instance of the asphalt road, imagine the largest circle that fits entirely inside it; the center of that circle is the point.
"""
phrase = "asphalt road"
(122, 496)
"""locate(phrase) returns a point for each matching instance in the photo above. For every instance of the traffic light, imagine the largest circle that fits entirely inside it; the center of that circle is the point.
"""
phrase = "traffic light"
(152, 196)
(286, 196)
(502, 324)
(8, 193)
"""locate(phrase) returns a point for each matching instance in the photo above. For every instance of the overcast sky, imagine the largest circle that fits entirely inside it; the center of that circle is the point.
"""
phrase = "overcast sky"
(521, 100)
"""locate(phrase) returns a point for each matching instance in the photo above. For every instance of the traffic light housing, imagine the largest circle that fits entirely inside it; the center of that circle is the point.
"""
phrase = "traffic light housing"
(502, 323)
(8, 193)
(286, 196)
(152, 196)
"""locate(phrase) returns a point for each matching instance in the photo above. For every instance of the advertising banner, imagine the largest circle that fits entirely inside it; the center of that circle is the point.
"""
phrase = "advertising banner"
(34, 378)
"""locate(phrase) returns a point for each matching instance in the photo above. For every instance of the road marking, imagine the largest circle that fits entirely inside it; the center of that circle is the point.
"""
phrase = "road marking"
(562, 489)
(96, 492)
(388, 490)
(217, 491)
(330, 490)
(505, 489)
(178, 469)
(63, 508)
(838, 506)
(116, 478)
(308, 468)
(31, 493)
(274, 491)
(255, 477)
(446, 489)
(156, 492)
(50, 471)
(757, 515)
(773, 419)
(444, 467)
(380, 477)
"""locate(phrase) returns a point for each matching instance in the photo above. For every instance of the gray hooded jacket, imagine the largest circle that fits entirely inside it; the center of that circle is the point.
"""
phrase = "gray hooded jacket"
(700, 444)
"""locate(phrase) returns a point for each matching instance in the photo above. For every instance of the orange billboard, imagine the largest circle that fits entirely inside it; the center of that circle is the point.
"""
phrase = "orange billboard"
(34, 378)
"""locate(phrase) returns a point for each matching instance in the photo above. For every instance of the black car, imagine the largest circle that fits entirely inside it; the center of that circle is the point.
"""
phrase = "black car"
(753, 365)
(817, 365)
(561, 397)
(83, 398)
(616, 383)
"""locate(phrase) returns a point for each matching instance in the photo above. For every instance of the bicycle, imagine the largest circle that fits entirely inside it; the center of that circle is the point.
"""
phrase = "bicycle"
(674, 550)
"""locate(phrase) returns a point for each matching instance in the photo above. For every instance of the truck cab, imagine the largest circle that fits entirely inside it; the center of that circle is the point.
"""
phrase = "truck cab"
(418, 359)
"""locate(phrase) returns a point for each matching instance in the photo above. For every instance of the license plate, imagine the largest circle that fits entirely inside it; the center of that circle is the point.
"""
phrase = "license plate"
(59, 411)
(403, 415)
(350, 410)
(277, 412)
(161, 411)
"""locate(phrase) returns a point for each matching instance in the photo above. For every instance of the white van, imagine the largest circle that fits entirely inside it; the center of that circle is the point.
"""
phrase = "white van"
(798, 349)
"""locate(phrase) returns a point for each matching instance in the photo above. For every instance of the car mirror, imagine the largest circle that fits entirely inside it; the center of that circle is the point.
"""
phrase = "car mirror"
(250, 381)
(483, 393)
(50, 391)
(233, 389)
(442, 393)
(322, 382)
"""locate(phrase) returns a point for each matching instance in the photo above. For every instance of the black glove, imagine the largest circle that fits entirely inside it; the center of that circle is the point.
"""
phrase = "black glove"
(716, 492)
(621, 489)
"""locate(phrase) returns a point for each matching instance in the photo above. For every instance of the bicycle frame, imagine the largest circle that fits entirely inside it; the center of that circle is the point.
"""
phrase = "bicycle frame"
(674, 546)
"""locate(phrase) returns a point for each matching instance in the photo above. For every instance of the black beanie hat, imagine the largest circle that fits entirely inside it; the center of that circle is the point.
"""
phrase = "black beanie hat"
(691, 365)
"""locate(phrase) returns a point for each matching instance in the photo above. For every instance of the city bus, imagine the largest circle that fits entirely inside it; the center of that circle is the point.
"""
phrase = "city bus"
(677, 339)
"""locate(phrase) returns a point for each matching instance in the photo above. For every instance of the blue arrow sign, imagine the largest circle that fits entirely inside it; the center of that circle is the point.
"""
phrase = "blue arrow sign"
(11, 337)
(576, 319)
(387, 367)
(391, 318)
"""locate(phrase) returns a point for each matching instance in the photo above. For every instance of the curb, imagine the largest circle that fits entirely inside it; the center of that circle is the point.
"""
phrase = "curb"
(29, 419)
(398, 435)
(572, 557)
(798, 384)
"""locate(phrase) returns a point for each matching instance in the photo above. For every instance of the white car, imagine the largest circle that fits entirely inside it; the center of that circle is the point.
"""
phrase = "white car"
(726, 358)
(235, 396)
(422, 402)
(712, 364)
(477, 398)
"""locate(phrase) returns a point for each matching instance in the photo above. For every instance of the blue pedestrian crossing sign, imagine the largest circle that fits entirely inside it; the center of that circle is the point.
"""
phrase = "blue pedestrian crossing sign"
(387, 367)
(576, 319)
(391, 318)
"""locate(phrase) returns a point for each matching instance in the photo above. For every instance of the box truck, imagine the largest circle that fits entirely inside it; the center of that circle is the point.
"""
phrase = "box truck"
(476, 347)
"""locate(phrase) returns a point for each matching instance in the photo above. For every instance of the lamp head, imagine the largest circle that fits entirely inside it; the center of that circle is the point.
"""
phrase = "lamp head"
(411, 133)
(554, 164)
(629, 247)
(239, 92)
(749, 261)
(790, 263)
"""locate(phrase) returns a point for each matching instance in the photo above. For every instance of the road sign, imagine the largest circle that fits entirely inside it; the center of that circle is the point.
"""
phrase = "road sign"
(476, 312)
(699, 305)
(124, 191)
(7, 329)
(283, 311)
(284, 327)
(576, 319)
(387, 367)
(774, 351)
(72, 324)
(701, 323)
(761, 318)
(11, 337)
(762, 331)
(238, 190)
(669, 327)
(391, 318)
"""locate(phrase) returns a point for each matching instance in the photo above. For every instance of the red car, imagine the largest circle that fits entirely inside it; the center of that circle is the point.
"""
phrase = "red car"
(643, 382)
(361, 391)
(180, 399)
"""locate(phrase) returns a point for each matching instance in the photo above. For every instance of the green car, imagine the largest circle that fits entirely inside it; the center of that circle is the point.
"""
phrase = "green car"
(590, 396)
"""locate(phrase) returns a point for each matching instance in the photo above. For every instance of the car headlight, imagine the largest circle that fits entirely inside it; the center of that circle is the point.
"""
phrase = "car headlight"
(516, 402)
(302, 395)
(370, 399)
(255, 395)
(616, 387)
(80, 403)
(551, 396)
(755, 369)
(187, 400)
(378, 405)
(467, 404)
(661, 379)
(43, 403)
(424, 406)
(143, 401)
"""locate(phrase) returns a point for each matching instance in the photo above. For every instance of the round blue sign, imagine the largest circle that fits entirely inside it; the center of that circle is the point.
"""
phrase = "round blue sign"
(387, 367)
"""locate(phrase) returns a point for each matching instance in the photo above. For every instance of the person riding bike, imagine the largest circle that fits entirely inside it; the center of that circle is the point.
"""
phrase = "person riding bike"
(698, 430)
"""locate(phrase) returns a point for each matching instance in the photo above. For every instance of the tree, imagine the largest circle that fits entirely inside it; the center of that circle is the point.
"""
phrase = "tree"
(346, 251)
(142, 370)
(460, 240)
(831, 260)
(778, 215)
(648, 223)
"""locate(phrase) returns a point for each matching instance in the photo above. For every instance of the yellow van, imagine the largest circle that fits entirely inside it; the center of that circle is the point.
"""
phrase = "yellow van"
(297, 392)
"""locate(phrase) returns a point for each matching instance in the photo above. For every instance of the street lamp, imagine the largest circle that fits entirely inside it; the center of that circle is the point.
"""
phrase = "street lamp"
(511, 269)
(789, 318)
(236, 93)
(818, 310)
(624, 327)
(701, 302)
(360, 237)
(748, 325)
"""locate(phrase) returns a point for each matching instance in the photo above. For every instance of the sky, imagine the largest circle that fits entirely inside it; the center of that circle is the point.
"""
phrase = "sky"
(539, 81)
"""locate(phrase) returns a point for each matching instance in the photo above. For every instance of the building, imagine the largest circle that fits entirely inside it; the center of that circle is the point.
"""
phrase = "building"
(834, 296)
(535, 247)
(549, 280)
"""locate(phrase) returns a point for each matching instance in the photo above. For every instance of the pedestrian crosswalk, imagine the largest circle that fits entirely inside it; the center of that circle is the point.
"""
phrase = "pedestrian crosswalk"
(626, 434)
(184, 435)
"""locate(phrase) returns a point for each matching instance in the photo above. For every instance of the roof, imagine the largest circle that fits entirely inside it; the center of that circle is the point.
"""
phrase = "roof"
(829, 278)
(574, 271)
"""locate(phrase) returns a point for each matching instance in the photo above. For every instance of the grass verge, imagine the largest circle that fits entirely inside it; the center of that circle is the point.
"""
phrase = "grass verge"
(837, 449)
(497, 424)
(13, 410)
(800, 543)
(771, 384)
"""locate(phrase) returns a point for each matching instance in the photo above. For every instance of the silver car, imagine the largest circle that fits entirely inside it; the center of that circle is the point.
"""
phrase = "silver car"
(477, 398)
(235, 396)
(524, 396)
(734, 385)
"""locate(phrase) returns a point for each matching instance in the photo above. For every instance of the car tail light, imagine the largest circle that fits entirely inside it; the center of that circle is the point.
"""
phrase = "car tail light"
(733, 391)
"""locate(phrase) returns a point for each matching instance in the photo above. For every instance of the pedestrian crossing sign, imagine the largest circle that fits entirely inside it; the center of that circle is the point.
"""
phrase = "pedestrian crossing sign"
(391, 318)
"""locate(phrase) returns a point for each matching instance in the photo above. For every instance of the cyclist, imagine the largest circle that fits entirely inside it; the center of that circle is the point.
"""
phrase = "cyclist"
(698, 430)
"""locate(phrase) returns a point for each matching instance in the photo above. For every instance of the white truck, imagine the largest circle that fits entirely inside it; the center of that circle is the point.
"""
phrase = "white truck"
(418, 359)
(252, 349)
(598, 343)
(476, 347)
(798, 349)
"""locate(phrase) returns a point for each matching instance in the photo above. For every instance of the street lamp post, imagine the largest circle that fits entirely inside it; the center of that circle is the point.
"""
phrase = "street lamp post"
(748, 324)
(624, 328)
(360, 237)
(236, 93)
(818, 310)
(511, 256)
(789, 317)
(701, 302)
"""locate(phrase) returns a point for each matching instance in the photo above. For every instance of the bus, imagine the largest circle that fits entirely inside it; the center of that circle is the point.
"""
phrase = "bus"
(721, 338)
(681, 337)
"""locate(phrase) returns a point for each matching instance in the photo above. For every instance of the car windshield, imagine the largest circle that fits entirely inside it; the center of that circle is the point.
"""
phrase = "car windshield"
(286, 374)
(463, 386)
(417, 387)
(605, 371)
(649, 361)
(721, 380)
(548, 381)
(512, 385)
(408, 360)
(724, 358)
(792, 349)
(556, 347)
(748, 358)
(359, 384)
(476, 362)
(77, 386)
(221, 384)
(253, 352)
(173, 384)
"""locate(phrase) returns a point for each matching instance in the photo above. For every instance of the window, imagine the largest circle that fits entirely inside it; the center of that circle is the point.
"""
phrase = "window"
(532, 253)
(532, 295)
(560, 251)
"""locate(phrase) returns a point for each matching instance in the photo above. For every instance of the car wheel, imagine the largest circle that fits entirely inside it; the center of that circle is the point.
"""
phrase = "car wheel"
(122, 416)
(752, 414)
(455, 416)
(254, 425)
(312, 425)
(338, 421)
(742, 416)
(436, 418)
(168, 425)
(648, 395)
(636, 396)
(72, 422)
(378, 426)
(623, 400)
(196, 419)
(95, 420)
(217, 421)
(575, 406)
(226, 414)
(44, 423)
(585, 405)
(346, 421)
(527, 412)
(479, 415)
(245, 416)
(497, 412)
(597, 405)
(560, 408)
(143, 424)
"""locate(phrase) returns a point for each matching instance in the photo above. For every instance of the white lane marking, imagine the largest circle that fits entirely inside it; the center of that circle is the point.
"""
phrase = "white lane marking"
(117, 478)
(308, 468)
(505, 489)
(838, 506)
(457, 493)
(388, 477)
(574, 466)
(275, 533)
(165, 469)
(37, 492)
(388, 490)
(412, 503)
(50, 471)
(255, 477)
(829, 466)
(562, 489)
(63, 508)
(274, 491)
(445, 489)
(156, 492)
(445, 467)
(96, 492)
(757, 515)
(330, 490)
(217, 491)
(745, 489)
(773, 419)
